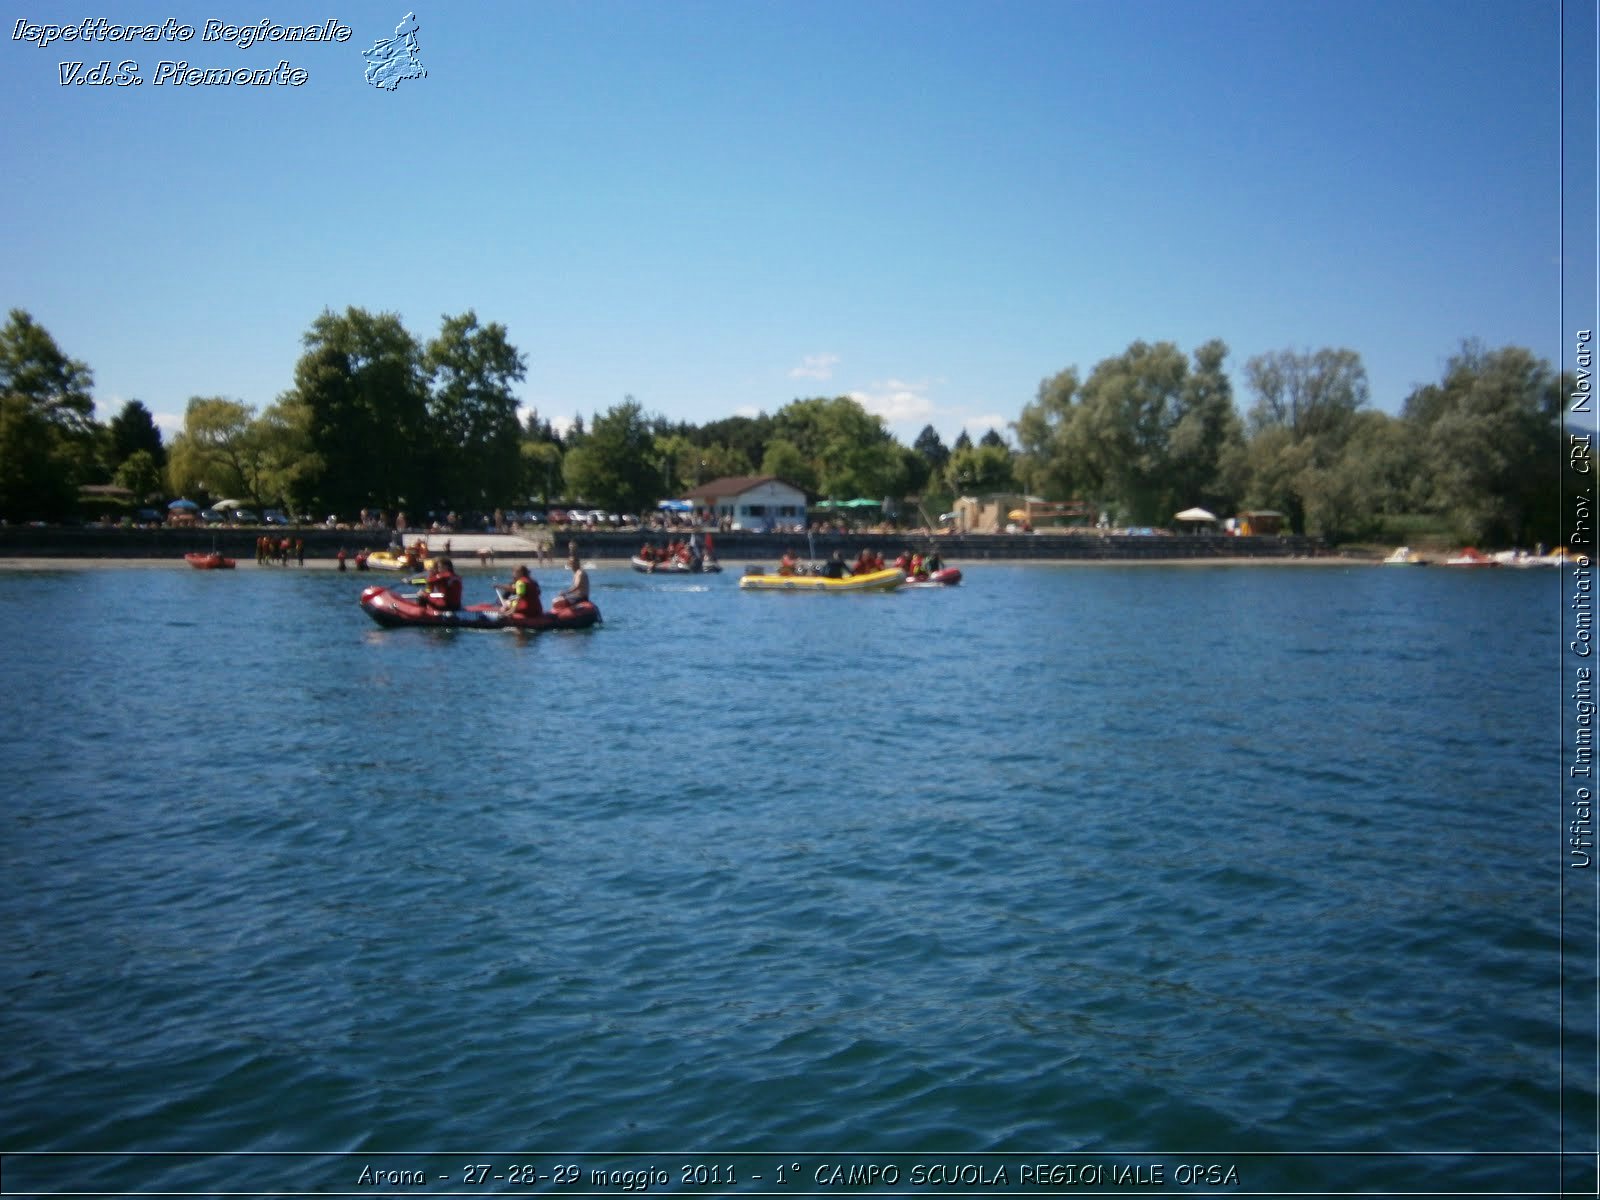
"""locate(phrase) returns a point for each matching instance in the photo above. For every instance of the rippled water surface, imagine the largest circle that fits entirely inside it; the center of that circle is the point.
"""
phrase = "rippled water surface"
(1065, 861)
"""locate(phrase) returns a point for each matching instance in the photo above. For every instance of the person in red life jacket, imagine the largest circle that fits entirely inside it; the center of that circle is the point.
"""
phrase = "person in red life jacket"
(788, 564)
(522, 598)
(863, 564)
(444, 587)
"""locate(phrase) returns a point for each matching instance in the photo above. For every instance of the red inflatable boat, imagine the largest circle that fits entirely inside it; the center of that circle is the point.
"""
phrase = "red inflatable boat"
(389, 609)
(208, 562)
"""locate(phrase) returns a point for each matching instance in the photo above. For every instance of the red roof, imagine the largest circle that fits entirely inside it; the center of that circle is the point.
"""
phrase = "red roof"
(734, 485)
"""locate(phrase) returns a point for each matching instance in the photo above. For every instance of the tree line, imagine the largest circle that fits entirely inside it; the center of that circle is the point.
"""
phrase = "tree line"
(377, 419)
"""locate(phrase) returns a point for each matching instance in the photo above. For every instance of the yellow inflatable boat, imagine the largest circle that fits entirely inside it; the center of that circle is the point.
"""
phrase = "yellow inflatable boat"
(875, 581)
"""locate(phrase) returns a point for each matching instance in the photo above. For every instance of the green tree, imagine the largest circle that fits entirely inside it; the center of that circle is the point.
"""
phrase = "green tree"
(140, 474)
(1049, 462)
(915, 472)
(719, 462)
(1150, 432)
(130, 431)
(784, 460)
(37, 472)
(932, 449)
(288, 469)
(1490, 432)
(1312, 395)
(472, 413)
(542, 469)
(694, 462)
(616, 465)
(1206, 436)
(361, 386)
(980, 470)
(217, 453)
(849, 450)
(50, 441)
(1308, 403)
(34, 368)
(747, 436)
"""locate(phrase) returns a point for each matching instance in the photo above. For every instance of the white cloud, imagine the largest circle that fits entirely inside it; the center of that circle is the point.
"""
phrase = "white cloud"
(896, 401)
(747, 410)
(815, 366)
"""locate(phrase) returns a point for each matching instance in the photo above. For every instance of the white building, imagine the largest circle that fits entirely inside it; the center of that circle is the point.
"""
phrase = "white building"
(759, 502)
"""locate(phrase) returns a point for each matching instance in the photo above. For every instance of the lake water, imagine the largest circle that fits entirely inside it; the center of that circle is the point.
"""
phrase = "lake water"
(1163, 879)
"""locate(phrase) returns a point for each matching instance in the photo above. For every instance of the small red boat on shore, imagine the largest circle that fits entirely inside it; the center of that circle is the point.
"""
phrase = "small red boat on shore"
(391, 609)
(209, 562)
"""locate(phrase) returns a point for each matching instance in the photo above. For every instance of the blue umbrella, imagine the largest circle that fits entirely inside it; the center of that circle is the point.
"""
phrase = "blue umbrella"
(188, 504)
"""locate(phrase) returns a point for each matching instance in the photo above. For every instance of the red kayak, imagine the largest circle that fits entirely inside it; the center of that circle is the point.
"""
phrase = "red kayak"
(208, 562)
(390, 609)
(943, 577)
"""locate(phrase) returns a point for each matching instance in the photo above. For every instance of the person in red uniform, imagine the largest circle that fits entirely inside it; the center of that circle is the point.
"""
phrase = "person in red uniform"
(444, 587)
(522, 599)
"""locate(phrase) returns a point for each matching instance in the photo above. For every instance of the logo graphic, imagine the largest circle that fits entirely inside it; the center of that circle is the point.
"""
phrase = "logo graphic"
(392, 59)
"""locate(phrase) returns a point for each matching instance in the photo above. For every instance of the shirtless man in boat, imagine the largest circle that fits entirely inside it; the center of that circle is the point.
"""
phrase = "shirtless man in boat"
(580, 584)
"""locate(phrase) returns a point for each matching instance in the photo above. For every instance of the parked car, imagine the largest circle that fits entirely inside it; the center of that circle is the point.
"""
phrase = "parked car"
(244, 516)
(212, 517)
(273, 517)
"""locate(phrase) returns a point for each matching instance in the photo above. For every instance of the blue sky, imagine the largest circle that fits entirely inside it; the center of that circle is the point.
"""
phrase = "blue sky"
(720, 206)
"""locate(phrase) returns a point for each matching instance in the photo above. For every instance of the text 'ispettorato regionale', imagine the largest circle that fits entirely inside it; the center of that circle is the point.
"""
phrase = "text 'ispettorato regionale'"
(98, 32)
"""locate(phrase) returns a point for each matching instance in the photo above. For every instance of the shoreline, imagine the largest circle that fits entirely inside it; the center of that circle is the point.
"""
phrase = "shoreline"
(505, 563)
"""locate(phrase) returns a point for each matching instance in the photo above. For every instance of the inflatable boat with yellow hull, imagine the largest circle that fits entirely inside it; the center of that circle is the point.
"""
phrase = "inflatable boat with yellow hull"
(875, 581)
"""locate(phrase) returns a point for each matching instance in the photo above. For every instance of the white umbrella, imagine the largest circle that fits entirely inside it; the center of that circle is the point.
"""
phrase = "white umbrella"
(1196, 514)
(228, 505)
